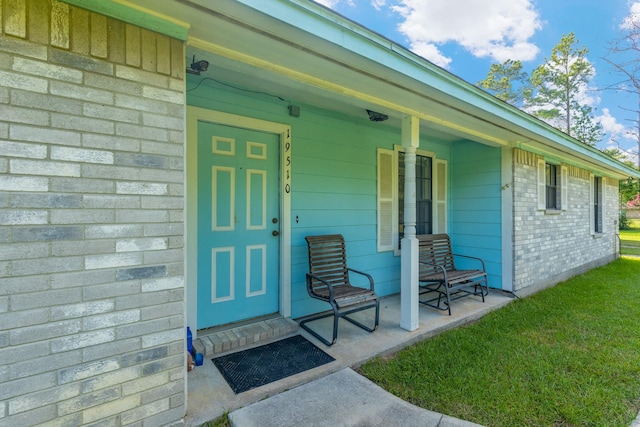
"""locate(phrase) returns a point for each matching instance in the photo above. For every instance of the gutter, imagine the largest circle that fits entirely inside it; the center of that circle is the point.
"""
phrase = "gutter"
(341, 24)
(359, 40)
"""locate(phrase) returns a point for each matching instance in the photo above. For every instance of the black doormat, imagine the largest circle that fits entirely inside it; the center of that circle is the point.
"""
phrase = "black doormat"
(262, 365)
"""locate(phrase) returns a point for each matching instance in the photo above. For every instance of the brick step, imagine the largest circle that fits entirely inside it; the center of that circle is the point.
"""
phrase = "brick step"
(220, 341)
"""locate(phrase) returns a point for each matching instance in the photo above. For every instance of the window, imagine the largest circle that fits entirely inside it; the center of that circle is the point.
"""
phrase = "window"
(431, 196)
(552, 186)
(596, 205)
(424, 186)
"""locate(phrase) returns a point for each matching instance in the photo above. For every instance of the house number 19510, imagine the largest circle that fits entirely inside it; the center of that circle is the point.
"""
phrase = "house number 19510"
(287, 164)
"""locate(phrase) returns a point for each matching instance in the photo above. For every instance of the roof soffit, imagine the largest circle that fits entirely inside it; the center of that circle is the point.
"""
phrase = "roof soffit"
(354, 66)
(446, 111)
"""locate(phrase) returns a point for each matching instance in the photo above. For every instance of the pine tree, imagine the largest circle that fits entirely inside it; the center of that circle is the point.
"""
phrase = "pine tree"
(558, 88)
(554, 92)
(507, 82)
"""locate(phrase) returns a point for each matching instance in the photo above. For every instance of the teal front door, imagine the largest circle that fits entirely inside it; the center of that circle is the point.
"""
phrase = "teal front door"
(238, 224)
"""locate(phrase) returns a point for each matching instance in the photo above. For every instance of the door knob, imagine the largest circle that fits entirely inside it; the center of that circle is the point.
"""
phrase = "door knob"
(275, 233)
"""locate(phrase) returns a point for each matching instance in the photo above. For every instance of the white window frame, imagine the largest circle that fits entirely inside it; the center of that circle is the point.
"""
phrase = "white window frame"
(594, 229)
(387, 196)
(542, 186)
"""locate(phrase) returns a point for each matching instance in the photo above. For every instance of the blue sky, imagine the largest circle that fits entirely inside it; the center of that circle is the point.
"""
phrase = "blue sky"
(467, 36)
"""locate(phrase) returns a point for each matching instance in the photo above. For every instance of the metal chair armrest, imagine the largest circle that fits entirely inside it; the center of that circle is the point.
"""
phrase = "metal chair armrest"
(324, 282)
(472, 257)
(368, 276)
(444, 270)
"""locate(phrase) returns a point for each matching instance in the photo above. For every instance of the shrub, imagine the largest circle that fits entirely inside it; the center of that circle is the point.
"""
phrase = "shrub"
(623, 222)
(635, 202)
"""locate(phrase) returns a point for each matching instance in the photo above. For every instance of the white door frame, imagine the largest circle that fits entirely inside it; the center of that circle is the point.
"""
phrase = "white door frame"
(194, 115)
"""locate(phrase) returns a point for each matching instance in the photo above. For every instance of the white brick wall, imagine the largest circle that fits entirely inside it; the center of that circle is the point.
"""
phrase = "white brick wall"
(550, 247)
(91, 199)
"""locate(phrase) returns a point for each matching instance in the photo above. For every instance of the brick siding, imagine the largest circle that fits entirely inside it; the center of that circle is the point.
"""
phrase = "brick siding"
(548, 247)
(91, 199)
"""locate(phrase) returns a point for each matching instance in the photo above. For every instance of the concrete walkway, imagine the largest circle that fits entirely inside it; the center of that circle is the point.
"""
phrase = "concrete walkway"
(209, 396)
(343, 398)
(333, 394)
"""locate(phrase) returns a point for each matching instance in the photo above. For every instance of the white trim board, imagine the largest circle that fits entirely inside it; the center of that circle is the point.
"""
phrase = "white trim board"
(194, 115)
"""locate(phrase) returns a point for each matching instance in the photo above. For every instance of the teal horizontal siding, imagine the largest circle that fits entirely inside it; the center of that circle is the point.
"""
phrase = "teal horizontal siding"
(336, 167)
(476, 206)
(335, 221)
(476, 242)
(486, 229)
(473, 216)
(329, 200)
(334, 191)
(334, 188)
(333, 185)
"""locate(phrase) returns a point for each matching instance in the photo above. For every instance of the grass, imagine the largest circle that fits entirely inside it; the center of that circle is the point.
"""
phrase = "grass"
(630, 239)
(222, 421)
(567, 356)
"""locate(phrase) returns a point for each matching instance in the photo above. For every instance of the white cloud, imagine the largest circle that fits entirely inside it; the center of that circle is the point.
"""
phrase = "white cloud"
(618, 136)
(432, 53)
(328, 3)
(633, 19)
(588, 95)
(378, 4)
(610, 124)
(499, 29)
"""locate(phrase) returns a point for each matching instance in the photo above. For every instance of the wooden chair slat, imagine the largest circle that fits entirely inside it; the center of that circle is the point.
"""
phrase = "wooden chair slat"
(328, 280)
(438, 273)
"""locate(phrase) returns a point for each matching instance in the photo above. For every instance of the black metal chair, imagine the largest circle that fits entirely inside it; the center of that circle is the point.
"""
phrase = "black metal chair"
(439, 276)
(328, 280)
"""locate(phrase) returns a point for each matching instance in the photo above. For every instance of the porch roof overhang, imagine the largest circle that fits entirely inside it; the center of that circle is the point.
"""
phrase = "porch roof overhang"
(305, 53)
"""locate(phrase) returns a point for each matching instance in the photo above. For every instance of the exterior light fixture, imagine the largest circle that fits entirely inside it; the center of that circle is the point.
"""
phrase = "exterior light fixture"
(377, 117)
(198, 66)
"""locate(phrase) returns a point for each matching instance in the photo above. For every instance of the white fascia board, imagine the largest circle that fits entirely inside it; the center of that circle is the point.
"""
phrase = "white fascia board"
(334, 28)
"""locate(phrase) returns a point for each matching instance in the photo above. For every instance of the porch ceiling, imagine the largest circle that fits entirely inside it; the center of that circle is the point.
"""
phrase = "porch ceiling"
(252, 78)
(301, 67)
(305, 53)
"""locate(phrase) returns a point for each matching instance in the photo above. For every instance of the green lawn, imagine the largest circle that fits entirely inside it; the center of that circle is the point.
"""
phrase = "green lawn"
(567, 356)
(630, 241)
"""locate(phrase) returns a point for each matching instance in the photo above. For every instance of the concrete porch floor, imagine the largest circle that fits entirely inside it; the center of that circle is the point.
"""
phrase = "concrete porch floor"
(209, 396)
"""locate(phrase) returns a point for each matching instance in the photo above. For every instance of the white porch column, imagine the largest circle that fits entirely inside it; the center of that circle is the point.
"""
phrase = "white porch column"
(409, 252)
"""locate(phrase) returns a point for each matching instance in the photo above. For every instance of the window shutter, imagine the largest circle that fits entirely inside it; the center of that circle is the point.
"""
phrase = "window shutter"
(603, 204)
(564, 188)
(440, 220)
(542, 185)
(592, 219)
(602, 209)
(385, 199)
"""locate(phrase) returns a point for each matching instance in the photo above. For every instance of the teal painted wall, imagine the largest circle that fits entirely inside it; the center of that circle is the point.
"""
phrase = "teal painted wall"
(333, 182)
(475, 205)
(335, 192)
(334, 186)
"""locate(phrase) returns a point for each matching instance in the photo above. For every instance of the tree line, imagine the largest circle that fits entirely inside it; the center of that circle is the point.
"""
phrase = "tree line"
(557, 90)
